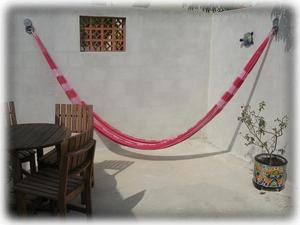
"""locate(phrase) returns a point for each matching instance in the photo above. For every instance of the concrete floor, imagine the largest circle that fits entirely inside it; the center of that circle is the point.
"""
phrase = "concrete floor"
(191, 180)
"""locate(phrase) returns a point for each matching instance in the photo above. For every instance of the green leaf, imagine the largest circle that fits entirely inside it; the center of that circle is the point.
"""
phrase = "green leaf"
(261, 106)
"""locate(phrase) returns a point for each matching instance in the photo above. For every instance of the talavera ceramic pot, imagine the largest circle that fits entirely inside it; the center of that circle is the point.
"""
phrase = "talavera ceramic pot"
(269, 175)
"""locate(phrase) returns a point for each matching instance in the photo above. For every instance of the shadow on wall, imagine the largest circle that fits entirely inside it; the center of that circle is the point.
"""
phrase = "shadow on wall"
(107, 201)
(237, 130)
(285, 32)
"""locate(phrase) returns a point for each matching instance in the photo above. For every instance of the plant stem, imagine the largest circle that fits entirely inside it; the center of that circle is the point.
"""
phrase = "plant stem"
(257, 138)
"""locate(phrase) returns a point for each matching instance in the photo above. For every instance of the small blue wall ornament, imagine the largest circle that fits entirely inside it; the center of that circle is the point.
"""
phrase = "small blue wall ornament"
(247, 40)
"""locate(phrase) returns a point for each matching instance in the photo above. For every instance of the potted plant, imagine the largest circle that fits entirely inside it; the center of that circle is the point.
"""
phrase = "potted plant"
(269, 167)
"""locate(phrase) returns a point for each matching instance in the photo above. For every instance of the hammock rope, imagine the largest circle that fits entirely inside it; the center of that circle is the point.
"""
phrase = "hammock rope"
(119, 137)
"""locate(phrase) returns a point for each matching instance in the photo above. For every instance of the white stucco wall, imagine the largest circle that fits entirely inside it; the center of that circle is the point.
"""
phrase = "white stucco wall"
(175, 67)
(155, 89)
(274, 82)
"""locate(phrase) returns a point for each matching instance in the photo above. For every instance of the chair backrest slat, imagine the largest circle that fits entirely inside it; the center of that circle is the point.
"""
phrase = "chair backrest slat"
(57, 114)
(69, 116)
(74, 118)
(12, 118)
(77, 118)
(63, 114)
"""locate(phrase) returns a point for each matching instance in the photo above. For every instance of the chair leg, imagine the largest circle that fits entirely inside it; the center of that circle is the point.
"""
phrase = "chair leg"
(62, 207)
(82, 198)
(93, 177)
(53, 206)
(16, 168)
(32, 165)
(88, 199)
(82, 195)
(21, 203)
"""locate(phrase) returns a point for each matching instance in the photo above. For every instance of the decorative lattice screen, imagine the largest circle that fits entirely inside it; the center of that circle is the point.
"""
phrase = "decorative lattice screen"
(102, 34)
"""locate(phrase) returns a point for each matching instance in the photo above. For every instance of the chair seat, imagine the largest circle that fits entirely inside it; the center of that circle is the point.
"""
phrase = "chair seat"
(24, 155)
(49, 159)
(45, 183)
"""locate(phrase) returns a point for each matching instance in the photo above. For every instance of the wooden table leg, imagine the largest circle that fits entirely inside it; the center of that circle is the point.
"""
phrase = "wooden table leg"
(39, 153)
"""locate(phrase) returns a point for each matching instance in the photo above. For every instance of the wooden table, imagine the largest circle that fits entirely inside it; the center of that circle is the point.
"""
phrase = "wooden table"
(33, 136)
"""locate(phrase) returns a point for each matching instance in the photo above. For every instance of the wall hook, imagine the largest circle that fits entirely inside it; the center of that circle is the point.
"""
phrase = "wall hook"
(275, 24)
(28, 26)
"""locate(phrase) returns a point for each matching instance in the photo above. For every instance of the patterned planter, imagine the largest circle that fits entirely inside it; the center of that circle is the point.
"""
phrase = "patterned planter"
(269, 177)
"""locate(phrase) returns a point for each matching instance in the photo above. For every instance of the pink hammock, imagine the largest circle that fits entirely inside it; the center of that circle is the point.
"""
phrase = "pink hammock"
(117, 136)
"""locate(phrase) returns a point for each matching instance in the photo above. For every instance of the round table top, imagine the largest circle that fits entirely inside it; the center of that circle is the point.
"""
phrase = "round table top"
(36, 135)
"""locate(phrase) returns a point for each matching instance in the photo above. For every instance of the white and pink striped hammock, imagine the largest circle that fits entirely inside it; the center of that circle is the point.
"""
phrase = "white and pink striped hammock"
(121, 138)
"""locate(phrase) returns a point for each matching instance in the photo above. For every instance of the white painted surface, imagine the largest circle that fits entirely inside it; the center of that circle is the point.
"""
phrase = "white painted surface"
(175, 67)
(274, 82)
(155, 89)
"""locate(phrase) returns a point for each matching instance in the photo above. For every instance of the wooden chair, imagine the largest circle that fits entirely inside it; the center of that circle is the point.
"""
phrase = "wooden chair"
(63, 184)
(75, 117)
(24, 156)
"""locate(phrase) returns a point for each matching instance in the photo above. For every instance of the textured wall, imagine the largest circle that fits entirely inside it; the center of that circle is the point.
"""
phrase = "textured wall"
(274, 75)
(156, 89)
(175, 67)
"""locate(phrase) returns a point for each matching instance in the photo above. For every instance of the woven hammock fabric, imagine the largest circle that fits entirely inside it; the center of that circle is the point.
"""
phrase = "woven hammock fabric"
(121, 138)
